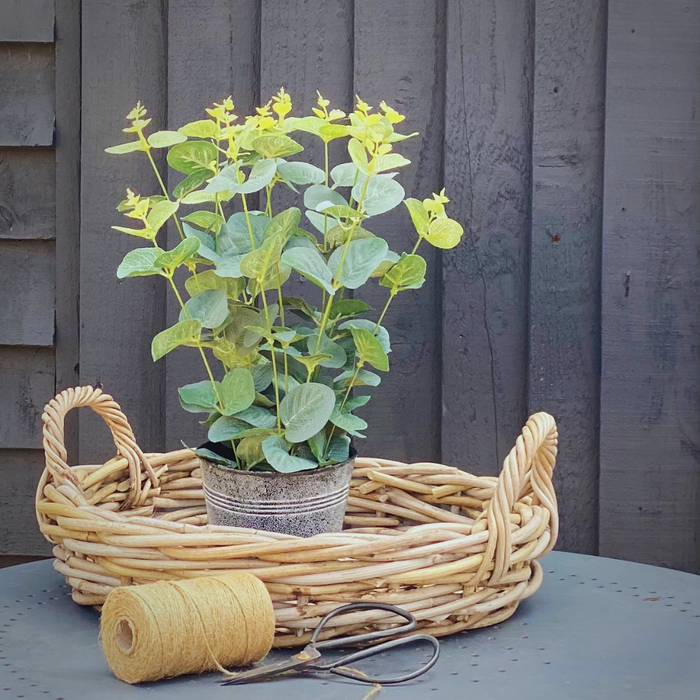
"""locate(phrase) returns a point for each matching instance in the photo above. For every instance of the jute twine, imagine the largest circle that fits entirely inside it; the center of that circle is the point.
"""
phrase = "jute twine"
(170, 628)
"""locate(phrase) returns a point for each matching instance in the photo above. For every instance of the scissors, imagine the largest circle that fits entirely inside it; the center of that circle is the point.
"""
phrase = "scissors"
(309, 660)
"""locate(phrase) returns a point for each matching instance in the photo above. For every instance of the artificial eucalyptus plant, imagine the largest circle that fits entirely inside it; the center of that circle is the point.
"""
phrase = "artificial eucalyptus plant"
(282, 398)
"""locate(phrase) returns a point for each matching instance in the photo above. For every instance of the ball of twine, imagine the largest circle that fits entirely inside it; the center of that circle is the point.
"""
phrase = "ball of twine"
(165, 629)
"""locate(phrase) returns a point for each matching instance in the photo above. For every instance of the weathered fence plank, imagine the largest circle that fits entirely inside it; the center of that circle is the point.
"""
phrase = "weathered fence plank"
(213, 53)
(567, 208)
(485, 280)
(27, 193)
(27, 381)
(118, 319)
(27, 20)
(650, 397)
(404, 413)
(20, 471)
(27, 291)
(27, 89)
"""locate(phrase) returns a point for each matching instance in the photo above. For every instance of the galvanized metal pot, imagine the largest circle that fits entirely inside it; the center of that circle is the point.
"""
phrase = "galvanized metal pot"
(303, 503)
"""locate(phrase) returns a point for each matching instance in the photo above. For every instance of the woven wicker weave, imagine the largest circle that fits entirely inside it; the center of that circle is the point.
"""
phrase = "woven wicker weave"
(457, 550)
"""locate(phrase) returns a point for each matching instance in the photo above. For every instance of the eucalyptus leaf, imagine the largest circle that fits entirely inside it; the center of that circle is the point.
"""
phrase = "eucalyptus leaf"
(262, 376)
(124, 148)
(207, 249)
(320, 221)
(164, 139)
(305, 410)
(208, 279)
(419, 215)
(344, 175)
(191, 156)
(237, 391)
(226, 428)
(210, 307)
(257, 416)
(277, 455)
(381, 194)
(310, 264)
(390, 161)
(349, 423)
(261, 175)
(407, 273)
(139, 263)
(276, 146)
(358, 154)
(381, 333)
(250, 451)
(364, 378)
(444, 233)
(160, 213)
(385, 265)
(356, 402)
(317, 444)
(361, 259)
(318, 195)
(202, 394)
(337, 357)
(202, 129)
(211, 456)
(348, 307)
(258, 262)
(283, 224)
(301, 173)
(230, 266)
(183, 251)
(207, 220)
(182, 333)
(194, 180)
(338, 449)
(235, 236)
(369, 349)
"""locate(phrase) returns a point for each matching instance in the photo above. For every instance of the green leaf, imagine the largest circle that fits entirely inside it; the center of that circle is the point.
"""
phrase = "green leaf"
(191, 156)
(123, 148)
(207, 220)
(301, 308)
(305, 410)
(258, 417)
(337, 356)
(191, 183)
(356, 402)
(276, 453)
(318, 197)
(208, 279)
(337, 235)
(301, 173)
(385, 265)
(338, 449)
(201, 196)
(310, 264)
(237, 391)
(182, 333)
(256, 264)
(234, 236)
(444, 233)
(249, 450)
(210, 307)
(380, 333)
(261, 174)
(226, 428)
(317, 444)
(358, 154)
(407, 273)
(344, 175)
(349, 423)
(361, 260)
(320, 221)
(369, 349)
(200, 394)
(210, 456)
(160, 213)
(283, 224)
(390, 161)
(202, 129)
(141, 233)
(164, 139)
(364, 378)
(276, 146)
(262, 376)
(310, 125)
(419, 215)
(139, 263)
(207, 248)
(382, 194)
(230, 266)
(329, 132)
(340, 211)
(311, 362)
(183, 251)
(348, 307)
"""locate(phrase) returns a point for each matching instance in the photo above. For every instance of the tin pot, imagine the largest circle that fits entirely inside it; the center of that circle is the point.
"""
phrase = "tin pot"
(304, 503)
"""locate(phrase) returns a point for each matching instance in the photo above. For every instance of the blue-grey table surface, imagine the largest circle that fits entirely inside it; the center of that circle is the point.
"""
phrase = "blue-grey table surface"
(597, 629)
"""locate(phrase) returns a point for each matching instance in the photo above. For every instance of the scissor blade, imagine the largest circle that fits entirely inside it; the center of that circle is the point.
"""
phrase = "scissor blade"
(270, 670)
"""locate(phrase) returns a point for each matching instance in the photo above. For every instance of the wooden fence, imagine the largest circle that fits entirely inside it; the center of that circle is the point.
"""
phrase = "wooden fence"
(567, 135)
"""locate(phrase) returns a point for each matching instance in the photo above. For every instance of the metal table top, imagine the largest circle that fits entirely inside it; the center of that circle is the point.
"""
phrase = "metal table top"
(598, 628)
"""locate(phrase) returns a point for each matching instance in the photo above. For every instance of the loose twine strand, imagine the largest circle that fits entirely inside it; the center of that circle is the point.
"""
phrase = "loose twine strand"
(170, 628)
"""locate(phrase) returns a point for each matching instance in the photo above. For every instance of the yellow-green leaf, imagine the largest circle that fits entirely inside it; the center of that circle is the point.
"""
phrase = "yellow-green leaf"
(164, 139)
(123, 148)
(444, 233)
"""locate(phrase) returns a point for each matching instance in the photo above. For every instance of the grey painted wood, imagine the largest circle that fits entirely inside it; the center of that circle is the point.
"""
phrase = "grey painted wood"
(567, 198)
(19, 534)
(213, 53)
(650, 396)
(67, 177)
(27, 380)
(485, 280)
(404, 413)
(27, 290)
(27, 20)
(118, 319)
(27, 193)
(27, 89)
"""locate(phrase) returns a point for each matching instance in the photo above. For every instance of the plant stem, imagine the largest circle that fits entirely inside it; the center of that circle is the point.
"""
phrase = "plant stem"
(344, 401)
(247, 220)
(384, 310)
(163, 188)
(325, 160)
(272, 354)
(280, 301)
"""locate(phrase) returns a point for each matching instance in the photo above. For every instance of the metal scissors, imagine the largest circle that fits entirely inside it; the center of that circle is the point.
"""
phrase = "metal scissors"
(309, 660)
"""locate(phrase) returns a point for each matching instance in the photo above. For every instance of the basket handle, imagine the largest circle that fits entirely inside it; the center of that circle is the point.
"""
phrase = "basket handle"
(109, 410)
(527, 470)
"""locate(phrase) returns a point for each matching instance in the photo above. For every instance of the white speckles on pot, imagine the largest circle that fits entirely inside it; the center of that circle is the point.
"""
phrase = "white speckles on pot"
(303, 503)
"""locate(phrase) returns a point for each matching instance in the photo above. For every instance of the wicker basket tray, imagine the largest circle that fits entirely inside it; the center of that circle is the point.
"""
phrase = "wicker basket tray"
(457, 550)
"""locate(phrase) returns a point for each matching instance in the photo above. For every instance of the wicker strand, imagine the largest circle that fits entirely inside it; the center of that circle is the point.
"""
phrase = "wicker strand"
(461, 549)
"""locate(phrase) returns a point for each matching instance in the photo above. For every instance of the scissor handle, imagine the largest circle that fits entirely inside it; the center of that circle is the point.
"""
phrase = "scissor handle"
(339, 666)
(369, 636)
